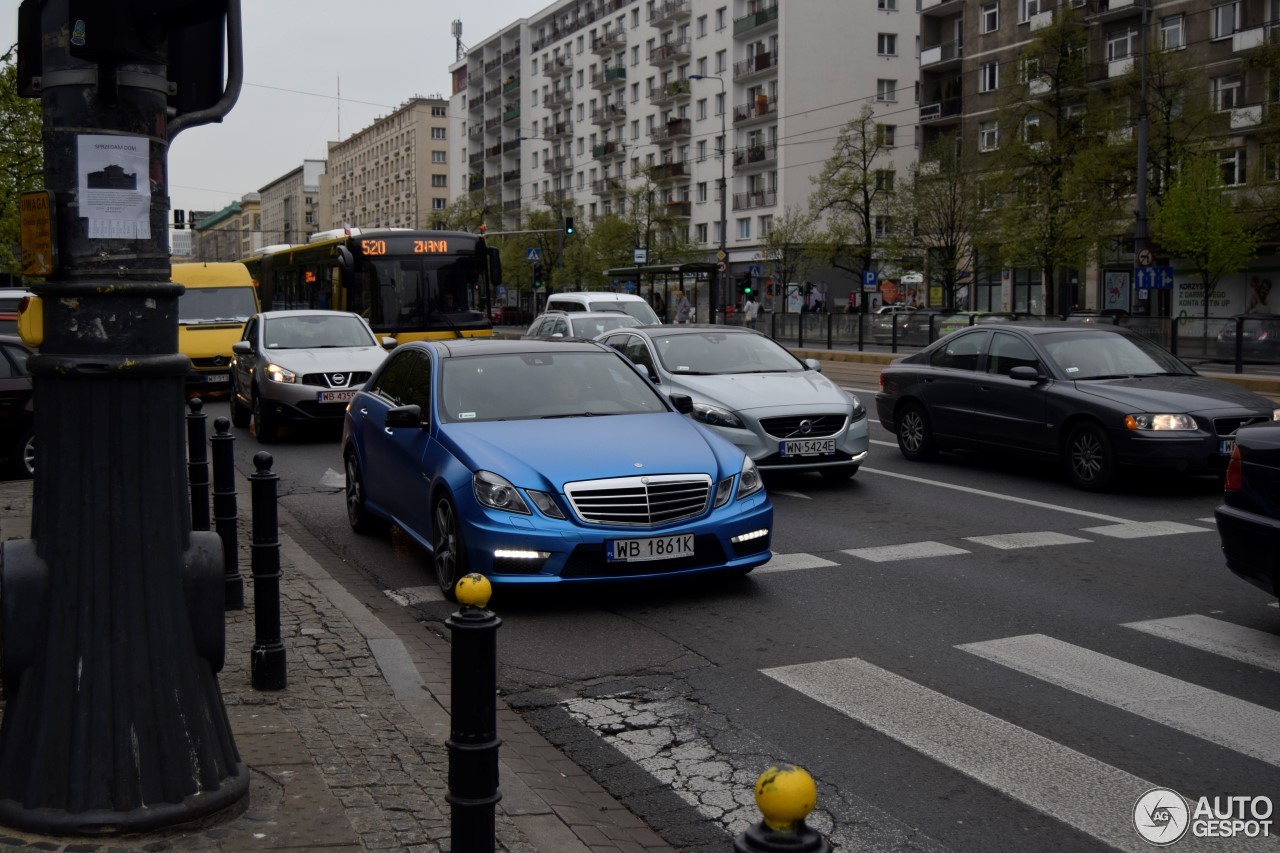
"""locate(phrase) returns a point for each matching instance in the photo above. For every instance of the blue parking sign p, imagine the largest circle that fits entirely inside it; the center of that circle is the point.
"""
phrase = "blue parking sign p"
(868, 278)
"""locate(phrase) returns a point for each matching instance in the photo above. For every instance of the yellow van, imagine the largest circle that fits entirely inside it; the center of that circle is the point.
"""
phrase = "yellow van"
(219, 299)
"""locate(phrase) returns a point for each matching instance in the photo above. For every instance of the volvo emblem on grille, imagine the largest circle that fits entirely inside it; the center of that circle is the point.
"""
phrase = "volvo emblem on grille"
(806, 427)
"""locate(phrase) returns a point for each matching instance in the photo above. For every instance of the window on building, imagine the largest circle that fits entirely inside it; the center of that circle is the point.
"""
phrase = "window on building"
(1028, 9)
(744, 228)
(1224, 20)
(1173, 33)
(700, 232)
(721, 60)
(766, 225)
(1226, 91)
(1271, 164)
(883, 226)
(990, 18)
(437, 133)
(886, 90)
(885, 134)
(439, 203)
(722, 16)
(884, 180)
(439, 112)
(988, 136)
(701, 108)
(989, 77)
(702, 26)
(702, 150)
(1031, 131)
(700, 192)
(439, 157)
(720, 103)
(1121, 43)
(439, 180)
(1231, 165)
(886, 44)
(887, 5)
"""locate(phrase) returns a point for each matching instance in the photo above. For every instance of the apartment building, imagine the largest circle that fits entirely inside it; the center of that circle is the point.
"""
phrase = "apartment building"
(229, 234)
(394, 173)
(586, 98)
(290, 204)
(969, 59)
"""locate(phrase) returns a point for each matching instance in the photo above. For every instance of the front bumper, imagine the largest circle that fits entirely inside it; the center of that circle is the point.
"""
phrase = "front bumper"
(1251, 544)
(765, 450)
(299, 402)
(1196, 452)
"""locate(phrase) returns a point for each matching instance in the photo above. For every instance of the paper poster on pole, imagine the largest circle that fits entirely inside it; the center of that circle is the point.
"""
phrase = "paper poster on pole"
(115, 186)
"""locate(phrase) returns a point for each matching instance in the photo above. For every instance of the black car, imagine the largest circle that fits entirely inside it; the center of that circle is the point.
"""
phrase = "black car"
(1249, 518)
(17, 418)
(1093, 397)
(916, 327)
(1258, 336)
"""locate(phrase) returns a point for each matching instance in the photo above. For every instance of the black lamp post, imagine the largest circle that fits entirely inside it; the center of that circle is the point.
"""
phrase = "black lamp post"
(723, 255)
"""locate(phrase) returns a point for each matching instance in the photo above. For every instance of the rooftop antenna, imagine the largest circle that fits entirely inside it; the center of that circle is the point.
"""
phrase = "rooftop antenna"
(456, 29)
(339, 106)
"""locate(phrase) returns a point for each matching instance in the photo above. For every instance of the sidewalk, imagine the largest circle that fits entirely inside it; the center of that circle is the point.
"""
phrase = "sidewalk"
(351, 755)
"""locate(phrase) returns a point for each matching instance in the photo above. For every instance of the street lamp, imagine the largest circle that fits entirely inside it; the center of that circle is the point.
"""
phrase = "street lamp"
(723, 256)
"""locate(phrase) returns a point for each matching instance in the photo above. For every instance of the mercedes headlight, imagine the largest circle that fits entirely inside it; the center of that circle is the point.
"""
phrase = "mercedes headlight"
(545, 504)
(276, 373)
(1160, 423)
(716, 416)
(498, 493)
(749, 481)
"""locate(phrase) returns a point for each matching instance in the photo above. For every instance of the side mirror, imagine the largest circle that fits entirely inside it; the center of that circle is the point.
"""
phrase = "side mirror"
(242, 348)
(1023, 373)
(813, 364)
(405, 417)
(683, 403)
(389, 343)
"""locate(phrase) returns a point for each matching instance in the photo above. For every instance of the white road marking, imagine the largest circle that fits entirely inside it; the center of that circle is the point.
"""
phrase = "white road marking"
(411, 595)
(1237, 642)
(791, 562)
(1142, 529)
(1224, 720)
(1009, 541)
(907, 551)
(333, 479)
(1080, 791)
(997, 496)
(789, 493)
(1208, 520)
(1274, 604)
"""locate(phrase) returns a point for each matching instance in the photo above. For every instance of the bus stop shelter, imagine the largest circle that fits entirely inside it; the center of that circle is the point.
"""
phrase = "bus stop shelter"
(658, 284)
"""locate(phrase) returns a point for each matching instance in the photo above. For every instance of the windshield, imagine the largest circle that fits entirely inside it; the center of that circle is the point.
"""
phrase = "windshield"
(636, 308)
(589, 327)
(1103, 355)
(412, 293)
(216, 305)
(531, 385)
(315, 331)
(723, 352)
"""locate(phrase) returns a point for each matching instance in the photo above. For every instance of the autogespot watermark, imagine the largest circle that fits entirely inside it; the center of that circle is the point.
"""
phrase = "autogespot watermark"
(1163, 816)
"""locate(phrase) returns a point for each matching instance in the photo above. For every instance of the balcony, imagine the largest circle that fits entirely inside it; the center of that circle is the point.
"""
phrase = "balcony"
(757, 64)
(609, 186)
(610, 42)
(942, 56)
(512, 56)
(476, 182)
(756, 156)
(608, 114)
(680, 208)
(608, 149)
(672, 51)
(1247, 39)
(746, 201)
(493, 151)
(670, 171)
(1119, 67)
(676, 128)
(1242, 117)
(557, 164)
(495, 181)
(475, 131)
(511, 115)
(511, 176)
(512, 206)
(940, 8)
(676, 90)
(558, 66)
(511, 86)
(609, 78)
(561, 130)
(1110, 10)
(945, 111)
(492, 124)
(476, 158)
(754, 20)
(493, 94)
(670, 11)
(760, 109)
(510, 146)
(561, 96)
(492, 64)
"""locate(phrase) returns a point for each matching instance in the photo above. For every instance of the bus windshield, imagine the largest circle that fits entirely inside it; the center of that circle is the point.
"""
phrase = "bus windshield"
(416, 292)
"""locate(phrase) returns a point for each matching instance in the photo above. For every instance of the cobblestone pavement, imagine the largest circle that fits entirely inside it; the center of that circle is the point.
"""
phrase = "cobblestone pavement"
(351, 755)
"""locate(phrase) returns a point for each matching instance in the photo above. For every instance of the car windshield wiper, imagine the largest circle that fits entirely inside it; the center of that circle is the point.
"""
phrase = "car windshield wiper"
(578, 415)
(682, 372)
(1106, 376)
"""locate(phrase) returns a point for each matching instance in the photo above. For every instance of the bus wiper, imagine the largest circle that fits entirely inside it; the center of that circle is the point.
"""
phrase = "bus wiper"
(452, 325)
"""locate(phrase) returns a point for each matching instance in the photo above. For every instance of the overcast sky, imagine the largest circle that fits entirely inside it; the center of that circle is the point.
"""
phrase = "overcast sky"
(298, 55)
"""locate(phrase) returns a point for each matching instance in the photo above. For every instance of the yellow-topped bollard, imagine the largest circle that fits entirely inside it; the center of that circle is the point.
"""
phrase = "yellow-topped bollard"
(473, 590)
(785, 795)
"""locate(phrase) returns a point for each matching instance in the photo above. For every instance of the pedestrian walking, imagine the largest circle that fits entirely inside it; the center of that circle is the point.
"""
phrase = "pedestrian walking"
(751, 310)
(682, 307)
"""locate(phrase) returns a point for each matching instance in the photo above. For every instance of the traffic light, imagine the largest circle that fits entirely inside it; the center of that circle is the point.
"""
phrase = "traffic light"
(483, 229)
(568, 225)
(537, 276)
(744, 284)
(179, 219)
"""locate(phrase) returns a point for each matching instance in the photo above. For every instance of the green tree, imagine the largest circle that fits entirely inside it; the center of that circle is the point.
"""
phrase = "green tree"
(1199, 221)
(21, 159)
(790, 247)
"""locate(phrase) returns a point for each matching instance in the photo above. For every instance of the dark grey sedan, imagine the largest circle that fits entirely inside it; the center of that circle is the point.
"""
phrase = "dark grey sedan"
(1095, 398)
(1249, 518)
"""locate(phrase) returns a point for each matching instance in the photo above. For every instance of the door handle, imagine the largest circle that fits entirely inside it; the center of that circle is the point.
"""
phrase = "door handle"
(388, 431)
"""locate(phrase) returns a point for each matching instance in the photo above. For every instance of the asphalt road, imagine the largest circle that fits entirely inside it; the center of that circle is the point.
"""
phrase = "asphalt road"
(967, 655)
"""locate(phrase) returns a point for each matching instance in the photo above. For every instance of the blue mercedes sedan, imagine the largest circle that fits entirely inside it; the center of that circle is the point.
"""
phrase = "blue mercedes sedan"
(546, 461)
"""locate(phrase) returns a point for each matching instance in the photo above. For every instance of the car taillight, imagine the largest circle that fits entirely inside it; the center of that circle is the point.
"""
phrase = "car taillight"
(882, 380)
(1232, 483)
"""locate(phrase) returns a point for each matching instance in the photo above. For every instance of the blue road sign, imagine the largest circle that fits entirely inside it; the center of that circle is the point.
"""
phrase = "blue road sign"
(534, 254)
(1153, 278)
(868, 278)
(754, 270)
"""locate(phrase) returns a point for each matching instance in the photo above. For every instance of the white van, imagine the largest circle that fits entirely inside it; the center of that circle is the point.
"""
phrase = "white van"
(604, 301)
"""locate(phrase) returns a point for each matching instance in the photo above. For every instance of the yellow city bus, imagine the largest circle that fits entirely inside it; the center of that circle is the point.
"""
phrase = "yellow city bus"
(410, 285)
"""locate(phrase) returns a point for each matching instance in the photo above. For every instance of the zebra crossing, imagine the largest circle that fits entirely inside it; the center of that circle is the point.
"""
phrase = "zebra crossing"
(1030, 768)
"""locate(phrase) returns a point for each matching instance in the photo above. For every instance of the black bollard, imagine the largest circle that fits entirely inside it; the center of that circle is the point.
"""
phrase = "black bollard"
(785, 795)
(268, 661)
(473, 732)
(225, 518)
(197, 464)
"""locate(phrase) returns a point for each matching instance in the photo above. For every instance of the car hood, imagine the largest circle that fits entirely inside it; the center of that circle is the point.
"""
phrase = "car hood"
(328, 360)
(746, 391)
(1176, 394)
(546, 454)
